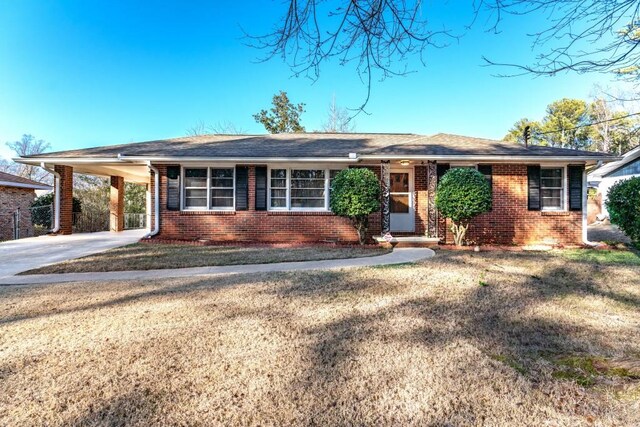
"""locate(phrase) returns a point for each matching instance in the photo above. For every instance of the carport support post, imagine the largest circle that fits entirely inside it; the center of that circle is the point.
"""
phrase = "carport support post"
(116, 204)
(66, 198)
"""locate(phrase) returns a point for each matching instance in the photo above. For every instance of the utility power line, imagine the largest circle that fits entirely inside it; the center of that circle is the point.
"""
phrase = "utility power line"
(588, 124)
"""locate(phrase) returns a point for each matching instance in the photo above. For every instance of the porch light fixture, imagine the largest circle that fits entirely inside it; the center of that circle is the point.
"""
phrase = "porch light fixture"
(405, 162)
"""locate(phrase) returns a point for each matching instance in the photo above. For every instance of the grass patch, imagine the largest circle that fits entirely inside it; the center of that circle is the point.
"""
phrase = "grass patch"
(417, 344)
(606, 257)
(139, 256)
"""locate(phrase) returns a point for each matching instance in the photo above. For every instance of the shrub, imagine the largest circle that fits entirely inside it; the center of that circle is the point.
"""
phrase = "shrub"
(42, 217)
(355, 193)
(463, 193)
(623, 205)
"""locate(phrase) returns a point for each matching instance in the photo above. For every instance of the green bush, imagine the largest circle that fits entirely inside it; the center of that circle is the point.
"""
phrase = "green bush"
(355, 193)
(463, 193)
(623, 205)
(42, 217)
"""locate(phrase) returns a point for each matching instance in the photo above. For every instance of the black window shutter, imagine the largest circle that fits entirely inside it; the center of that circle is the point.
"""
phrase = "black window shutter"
(173, 188)
(575, 187)
(533, 174)
(441, 170)
(242, 188)
(261, 188)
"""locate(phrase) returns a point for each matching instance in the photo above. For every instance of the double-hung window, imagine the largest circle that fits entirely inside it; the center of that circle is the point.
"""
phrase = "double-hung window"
(209, 188)
(300, 189)
(552, 189)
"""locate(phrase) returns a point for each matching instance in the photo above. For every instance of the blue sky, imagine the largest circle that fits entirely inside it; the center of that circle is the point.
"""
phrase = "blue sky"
(80, 74)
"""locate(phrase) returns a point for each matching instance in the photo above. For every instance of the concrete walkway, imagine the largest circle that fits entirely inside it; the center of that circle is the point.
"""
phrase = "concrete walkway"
(398, 256)
(25, 254)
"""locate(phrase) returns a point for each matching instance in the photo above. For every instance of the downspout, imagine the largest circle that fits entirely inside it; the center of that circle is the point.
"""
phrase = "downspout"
(56, 213)
(156, 195)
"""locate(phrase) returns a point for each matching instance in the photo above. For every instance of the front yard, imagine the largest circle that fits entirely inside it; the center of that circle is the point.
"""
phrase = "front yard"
(141, 256)
(462, 339)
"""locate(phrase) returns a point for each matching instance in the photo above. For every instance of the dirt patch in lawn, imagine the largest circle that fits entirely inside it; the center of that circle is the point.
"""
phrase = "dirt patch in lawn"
(462, 339)
(161, 256)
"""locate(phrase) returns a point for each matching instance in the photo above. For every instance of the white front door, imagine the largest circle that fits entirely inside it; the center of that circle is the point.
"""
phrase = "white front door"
(401, 201)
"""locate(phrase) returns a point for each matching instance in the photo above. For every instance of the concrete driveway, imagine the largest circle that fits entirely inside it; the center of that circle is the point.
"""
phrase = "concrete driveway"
(24, 254)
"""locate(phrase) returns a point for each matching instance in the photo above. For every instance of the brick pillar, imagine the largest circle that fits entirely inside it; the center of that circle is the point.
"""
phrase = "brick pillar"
(66, 198)
(116, 204)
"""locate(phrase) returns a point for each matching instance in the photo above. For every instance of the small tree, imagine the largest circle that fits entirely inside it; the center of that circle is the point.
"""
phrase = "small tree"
(623, 205)
(463, 193)
(355, 194)
(283, 117)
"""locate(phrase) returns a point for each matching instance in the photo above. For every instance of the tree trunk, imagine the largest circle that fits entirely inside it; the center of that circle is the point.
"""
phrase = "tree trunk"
(459, 231)
(361, 225)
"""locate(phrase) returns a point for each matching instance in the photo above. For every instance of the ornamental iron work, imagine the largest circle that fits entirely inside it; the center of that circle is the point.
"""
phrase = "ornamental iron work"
(385, 173)
(432, 212)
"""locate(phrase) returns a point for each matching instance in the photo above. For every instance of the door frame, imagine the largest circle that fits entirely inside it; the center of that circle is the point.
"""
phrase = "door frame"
(412, 207)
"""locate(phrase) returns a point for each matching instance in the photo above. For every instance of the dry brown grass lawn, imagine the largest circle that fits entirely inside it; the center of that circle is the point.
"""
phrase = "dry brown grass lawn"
(462, 339)
(139, 256)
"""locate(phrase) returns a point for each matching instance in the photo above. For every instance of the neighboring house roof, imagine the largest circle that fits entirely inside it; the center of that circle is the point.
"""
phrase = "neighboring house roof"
(321, 146)
(9, 180)
(628, 165)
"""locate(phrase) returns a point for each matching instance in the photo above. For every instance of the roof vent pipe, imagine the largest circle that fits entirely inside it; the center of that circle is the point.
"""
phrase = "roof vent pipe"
(56, 204)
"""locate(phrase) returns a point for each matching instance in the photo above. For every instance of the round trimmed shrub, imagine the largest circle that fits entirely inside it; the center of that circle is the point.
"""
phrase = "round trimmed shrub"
(462, 194)
(355, 194)
(623, 205)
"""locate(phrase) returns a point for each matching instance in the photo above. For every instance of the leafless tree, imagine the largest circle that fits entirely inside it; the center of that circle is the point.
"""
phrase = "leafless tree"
(220, 128)
(28, 145)
(338, 119)
(378, 35)
(582, 35)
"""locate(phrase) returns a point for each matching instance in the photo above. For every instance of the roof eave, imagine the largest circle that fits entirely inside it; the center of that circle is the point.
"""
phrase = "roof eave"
(24, 185)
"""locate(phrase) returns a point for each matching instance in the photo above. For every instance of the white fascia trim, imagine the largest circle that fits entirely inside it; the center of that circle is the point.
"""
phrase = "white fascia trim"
(66, 160)
(23, 185)
(536, 159)
(240, 160)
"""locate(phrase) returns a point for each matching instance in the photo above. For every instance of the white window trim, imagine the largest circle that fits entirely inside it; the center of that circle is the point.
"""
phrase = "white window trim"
(209, 166)
(289, 168)
(563, 196)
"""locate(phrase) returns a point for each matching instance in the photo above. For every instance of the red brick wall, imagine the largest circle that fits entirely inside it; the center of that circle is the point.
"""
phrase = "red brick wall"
(12, 199)
(252, 225)
(510, 222)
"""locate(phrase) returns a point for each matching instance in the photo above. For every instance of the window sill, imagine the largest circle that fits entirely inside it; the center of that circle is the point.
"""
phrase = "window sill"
(300, 213)
(555, 213)
(196, 212)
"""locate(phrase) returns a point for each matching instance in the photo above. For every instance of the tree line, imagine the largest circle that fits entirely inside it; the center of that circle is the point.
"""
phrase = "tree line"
(596, 125)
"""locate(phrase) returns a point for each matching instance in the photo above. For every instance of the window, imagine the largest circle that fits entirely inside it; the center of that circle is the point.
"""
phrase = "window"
(209, 188)
(278, 188)
(308, 188)
(221, 188)
(300, 189)
(552, 188)
(195, 188)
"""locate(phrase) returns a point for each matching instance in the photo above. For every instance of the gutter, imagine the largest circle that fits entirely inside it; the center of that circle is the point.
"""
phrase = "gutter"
(24, 185)
(156, 191)
(56, 214)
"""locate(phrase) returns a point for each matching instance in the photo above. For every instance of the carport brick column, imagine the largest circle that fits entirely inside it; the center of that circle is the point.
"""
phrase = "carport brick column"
(66, 198)
(116, 204)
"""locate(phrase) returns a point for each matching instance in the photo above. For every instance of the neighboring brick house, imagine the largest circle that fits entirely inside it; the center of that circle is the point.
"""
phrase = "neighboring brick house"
(16, 195)
(273, 188)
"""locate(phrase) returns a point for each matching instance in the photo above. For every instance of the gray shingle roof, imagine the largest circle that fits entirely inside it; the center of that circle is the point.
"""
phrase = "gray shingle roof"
(10, 180)
(321, 145)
